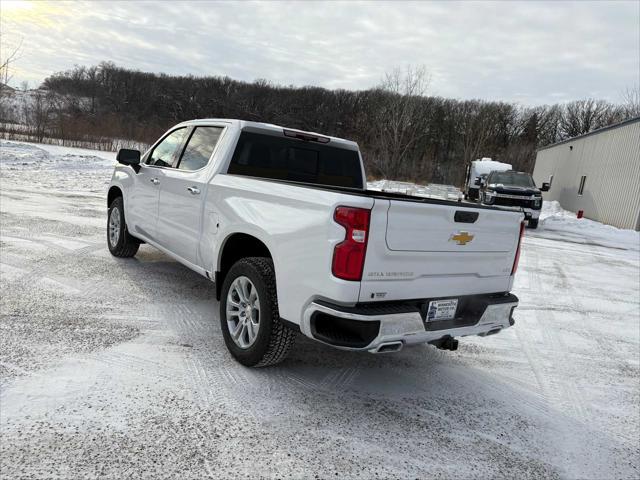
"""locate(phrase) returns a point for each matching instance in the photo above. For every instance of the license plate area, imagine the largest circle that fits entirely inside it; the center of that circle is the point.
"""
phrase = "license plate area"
(439, 310)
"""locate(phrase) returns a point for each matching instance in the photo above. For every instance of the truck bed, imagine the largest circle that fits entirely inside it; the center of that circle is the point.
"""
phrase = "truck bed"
(411, 254)
(377, 194)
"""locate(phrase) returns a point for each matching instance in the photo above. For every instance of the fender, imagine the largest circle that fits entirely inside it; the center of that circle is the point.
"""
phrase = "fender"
(122, 179)
(250, 230)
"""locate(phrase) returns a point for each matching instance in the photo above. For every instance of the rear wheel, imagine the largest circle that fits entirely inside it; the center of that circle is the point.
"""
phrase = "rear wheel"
(120, 242)
(533, 223)
(249, 316)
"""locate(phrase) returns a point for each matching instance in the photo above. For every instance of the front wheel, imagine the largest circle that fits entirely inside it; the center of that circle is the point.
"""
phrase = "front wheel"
(121, 243)
(249, 316)
(533, 223)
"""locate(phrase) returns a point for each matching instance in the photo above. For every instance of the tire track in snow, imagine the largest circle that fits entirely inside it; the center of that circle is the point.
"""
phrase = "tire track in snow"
(550, 366)
(494, 386)
(42, 267)
(207, 391)
(138, 365)
(536, 285)
(339, 380)
(565, 392)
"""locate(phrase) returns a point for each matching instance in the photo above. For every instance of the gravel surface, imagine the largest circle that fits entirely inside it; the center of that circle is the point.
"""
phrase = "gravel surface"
(116, 368)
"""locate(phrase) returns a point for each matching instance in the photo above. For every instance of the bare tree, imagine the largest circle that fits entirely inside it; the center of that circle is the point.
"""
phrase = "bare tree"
(7, 59)
(583, 116)
(37, 113)
(631, 101)
(399, 124)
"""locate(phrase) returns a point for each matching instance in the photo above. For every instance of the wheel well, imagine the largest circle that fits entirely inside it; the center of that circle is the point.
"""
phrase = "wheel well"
(114, 192)
(237, 246)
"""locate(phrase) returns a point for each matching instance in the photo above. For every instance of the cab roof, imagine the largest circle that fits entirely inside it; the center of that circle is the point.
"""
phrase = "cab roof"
(271, 129)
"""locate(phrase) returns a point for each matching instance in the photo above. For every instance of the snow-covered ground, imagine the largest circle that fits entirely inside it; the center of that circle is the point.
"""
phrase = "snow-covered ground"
(116, 368)
(564, 225)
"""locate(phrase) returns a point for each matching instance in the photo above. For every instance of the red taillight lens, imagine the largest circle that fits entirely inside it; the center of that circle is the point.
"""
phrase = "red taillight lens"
(348, 256)
(517, 259)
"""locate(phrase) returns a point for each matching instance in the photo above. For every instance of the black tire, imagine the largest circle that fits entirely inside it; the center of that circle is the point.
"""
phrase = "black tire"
(533, 223)
(274, 339)
(126, 245)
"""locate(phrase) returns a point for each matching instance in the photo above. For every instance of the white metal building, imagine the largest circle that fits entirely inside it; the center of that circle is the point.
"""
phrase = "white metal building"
(598, 172)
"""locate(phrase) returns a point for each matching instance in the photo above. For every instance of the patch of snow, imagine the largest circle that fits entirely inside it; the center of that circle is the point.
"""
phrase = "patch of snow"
(564, 224)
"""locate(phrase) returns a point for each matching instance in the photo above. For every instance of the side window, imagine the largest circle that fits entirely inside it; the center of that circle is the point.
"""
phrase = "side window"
(199, 148)
(163, 154)
(583, 179)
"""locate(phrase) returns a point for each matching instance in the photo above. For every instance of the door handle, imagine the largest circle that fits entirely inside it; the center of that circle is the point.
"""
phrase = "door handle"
(155, 181)
(193, 190)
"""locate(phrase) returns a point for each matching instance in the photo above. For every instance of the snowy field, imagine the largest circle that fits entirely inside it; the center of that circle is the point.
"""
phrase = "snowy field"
(116, 368)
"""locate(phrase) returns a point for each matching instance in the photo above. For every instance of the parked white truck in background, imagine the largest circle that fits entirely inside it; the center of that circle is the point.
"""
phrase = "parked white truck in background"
(477, 171)
(282, 222)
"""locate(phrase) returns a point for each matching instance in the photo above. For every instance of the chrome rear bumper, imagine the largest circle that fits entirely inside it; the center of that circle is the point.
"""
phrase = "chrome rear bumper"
(371, 330)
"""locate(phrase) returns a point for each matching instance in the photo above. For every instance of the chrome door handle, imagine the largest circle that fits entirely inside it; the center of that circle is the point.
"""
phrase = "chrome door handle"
(193, 190)
(155, 181)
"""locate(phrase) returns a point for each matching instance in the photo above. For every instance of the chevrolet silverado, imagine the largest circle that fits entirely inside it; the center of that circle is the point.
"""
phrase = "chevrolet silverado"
(282, 222)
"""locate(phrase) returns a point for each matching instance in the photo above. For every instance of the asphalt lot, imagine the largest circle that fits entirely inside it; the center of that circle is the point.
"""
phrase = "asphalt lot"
(117, 368)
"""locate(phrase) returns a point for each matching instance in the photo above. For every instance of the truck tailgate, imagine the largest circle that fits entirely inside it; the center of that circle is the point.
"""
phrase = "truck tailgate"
(421, 227)
(422, 250)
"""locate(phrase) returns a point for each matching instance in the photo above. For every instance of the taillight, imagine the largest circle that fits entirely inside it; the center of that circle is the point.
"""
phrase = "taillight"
(348, 256)
(515, 261)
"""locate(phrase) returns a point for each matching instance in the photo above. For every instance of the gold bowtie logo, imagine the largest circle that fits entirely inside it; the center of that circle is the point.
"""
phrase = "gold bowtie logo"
(461, 238)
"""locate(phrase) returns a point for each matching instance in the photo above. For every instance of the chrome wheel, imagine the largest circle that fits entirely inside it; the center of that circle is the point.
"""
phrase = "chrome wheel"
(243, 312)
(114, 227)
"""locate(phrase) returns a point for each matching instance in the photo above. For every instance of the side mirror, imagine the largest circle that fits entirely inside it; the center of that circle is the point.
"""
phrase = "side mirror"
(477, 182)
(545, 187)
(128, 157)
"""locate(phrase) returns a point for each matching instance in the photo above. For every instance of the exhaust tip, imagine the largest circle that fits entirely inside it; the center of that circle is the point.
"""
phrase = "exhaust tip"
(389, 347)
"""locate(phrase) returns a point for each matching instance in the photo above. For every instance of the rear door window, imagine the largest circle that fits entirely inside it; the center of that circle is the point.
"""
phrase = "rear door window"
(164, 153)
(199, 148)
(280, 158)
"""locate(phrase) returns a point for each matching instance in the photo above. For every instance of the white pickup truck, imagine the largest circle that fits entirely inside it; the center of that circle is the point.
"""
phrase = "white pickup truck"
(282, 222)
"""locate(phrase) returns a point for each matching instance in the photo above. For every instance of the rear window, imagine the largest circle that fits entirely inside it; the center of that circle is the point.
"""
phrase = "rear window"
(281, 158)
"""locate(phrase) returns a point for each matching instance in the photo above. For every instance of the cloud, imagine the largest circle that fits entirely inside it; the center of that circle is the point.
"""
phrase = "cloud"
(528, 52)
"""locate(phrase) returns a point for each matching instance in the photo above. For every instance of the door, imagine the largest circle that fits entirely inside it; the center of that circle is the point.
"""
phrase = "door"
(182, 194)
(142, 209)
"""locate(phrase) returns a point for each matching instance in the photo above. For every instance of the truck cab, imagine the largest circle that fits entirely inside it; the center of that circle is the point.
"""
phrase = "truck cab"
(514, 189)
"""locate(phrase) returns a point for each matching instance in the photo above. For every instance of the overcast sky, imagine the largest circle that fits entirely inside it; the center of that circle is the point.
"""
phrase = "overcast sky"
(529, 52)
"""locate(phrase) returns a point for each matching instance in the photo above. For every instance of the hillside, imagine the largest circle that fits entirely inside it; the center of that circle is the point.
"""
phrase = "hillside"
(404, 133)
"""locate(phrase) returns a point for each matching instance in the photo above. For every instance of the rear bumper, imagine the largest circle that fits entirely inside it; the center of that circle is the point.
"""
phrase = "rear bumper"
(374, 326)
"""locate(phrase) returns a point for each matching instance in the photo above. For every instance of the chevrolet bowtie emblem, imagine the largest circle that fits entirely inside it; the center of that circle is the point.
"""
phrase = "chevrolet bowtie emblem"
(461, 238)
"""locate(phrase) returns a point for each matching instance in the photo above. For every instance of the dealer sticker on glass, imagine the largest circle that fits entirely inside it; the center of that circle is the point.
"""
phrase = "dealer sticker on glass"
(442, 310)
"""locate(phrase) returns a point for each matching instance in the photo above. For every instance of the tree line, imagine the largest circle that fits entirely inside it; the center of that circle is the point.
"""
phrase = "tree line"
(404, 132)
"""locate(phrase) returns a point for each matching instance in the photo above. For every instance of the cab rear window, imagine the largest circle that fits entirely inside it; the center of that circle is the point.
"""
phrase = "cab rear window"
(282, 158)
